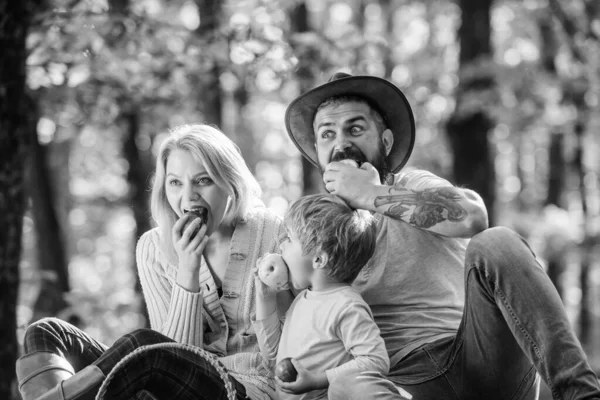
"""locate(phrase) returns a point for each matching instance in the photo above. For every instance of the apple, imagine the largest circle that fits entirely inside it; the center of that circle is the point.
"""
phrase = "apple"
(350, 162)
(197, 212)
(285, 370)
(273, 272)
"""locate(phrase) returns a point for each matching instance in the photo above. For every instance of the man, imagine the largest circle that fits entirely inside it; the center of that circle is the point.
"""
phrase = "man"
(461, 319)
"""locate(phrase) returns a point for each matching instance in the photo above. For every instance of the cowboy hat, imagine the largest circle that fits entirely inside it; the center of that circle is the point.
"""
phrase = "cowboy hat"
(388, 100)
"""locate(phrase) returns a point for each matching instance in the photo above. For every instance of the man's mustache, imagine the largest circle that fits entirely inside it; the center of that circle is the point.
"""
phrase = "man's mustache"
(351, 153)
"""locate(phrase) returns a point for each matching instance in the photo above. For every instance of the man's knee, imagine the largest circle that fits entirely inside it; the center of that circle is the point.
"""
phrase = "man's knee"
(500, 247)
(499, 236)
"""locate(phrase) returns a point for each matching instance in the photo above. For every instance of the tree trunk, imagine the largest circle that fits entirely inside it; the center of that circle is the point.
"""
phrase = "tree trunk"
(129, 119)
(311, 177)
(556, 182)
(387, 14)
(587, 245)
(238, 125)
(137, 177)
(556, 173)
(50, 237)
(575, 92)
(211, 102)
(469, 126)
(15, 19)
(557, 164)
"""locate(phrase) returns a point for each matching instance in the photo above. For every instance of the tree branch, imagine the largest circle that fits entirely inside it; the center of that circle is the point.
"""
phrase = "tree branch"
(592, 10)
(570, 29)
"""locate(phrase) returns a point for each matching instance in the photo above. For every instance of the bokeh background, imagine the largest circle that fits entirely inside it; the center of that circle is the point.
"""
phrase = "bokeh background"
(505, 95)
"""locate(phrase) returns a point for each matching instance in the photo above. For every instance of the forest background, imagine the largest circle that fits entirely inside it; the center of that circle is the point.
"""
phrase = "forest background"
(505, 95)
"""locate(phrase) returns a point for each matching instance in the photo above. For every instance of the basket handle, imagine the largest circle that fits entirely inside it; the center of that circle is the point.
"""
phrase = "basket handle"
(211, 358)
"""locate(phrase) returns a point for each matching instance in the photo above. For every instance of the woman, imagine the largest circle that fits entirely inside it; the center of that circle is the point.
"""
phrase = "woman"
(196, 279)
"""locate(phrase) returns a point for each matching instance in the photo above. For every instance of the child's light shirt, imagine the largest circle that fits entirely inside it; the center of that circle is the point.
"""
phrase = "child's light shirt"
(327, 331)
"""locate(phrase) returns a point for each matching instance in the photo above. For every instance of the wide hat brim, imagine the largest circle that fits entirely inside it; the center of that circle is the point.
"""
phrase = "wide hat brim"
(387, 98)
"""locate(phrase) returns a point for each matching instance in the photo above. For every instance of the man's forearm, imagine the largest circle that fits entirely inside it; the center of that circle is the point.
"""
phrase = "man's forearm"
(447, 210)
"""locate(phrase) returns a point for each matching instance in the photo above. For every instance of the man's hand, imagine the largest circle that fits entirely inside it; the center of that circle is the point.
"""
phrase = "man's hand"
(354, 185)
(306, 381)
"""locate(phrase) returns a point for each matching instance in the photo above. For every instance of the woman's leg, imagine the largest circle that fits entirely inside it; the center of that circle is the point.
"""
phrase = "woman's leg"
(54, 351)
(169, 373)
(53, 335)
(126, 344)
(59, 341)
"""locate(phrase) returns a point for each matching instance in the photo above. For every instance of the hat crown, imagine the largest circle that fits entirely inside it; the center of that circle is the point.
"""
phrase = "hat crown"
(339, 75)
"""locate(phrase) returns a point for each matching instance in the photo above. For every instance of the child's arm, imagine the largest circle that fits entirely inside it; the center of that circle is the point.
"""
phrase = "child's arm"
(267, 323)
(361, 338)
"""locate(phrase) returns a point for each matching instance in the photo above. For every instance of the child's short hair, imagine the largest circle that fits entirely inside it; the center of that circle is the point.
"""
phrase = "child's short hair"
(324, 222)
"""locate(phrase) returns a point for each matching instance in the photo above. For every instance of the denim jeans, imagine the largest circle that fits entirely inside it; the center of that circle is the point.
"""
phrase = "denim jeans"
(157, 374)
(514, 330)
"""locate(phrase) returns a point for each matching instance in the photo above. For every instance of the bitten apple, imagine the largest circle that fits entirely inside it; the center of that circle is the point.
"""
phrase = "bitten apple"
(286, 371)
(349, 162)
(273, 272)
(198, 212)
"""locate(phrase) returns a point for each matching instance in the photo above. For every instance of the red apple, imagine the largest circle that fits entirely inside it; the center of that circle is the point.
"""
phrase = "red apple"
(273, 272)
(286, 371)
(198, 212)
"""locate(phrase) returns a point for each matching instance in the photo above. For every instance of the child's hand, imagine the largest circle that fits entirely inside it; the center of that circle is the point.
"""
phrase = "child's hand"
(262, 290)
(306, 381)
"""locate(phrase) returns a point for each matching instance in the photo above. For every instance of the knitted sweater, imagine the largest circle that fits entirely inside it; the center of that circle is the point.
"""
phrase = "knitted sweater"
(220, 325)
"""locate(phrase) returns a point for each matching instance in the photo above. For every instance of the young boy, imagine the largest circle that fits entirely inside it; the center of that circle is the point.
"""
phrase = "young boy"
(328, 329)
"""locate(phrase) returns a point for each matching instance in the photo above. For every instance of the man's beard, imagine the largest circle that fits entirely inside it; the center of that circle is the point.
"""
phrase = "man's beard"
(353, 153)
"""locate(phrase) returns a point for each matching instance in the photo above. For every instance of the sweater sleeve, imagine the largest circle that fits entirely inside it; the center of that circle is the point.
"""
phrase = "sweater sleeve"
(362, 339)
(173, 311)
(268, 334)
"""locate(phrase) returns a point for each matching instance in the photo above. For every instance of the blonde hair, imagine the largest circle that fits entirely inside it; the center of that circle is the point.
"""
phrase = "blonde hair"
(224, 164)
(325, 223)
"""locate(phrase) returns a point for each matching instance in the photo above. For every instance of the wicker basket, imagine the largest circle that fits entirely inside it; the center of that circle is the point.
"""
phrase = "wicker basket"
(211, 358)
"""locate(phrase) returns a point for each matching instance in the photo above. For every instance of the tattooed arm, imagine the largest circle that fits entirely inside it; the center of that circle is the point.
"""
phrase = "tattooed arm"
(419, 198)
(446, 210)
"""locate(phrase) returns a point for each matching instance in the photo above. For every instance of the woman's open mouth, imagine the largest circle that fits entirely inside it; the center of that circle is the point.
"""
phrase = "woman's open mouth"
(198, 211)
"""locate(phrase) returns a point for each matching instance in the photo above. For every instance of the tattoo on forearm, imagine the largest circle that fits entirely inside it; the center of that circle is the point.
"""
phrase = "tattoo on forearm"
(429, 207)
